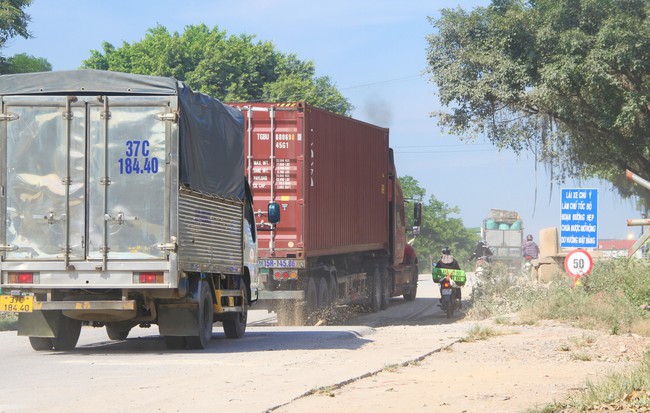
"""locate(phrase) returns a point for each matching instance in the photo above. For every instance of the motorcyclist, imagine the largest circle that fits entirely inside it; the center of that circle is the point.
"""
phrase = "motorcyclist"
(481, 250)
(530, 248)
(448, 261)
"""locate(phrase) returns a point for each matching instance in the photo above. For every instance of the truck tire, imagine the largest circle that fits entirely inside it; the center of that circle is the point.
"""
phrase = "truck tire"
(67, 335)
(204, 318)
(385, 289)
(235, 325)
(41, 343)
(410, 296)
(375, 291)
(323, 293)
(334, 290)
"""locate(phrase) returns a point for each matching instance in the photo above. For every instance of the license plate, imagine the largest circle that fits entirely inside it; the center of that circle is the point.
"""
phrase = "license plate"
(446, 291)
(281, 263)
(17, 303)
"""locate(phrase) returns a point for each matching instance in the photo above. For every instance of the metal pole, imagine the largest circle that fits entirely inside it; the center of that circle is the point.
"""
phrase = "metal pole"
(637, 179)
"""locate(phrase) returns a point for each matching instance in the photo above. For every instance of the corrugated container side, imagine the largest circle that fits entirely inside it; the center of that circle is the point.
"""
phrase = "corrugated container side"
(346, 202)
(330, 179)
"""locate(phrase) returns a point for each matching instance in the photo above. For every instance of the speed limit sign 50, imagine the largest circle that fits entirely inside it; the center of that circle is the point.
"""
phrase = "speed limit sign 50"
(578, 263)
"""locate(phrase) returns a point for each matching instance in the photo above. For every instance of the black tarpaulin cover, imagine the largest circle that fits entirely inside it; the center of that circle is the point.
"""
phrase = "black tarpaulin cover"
(211, 134)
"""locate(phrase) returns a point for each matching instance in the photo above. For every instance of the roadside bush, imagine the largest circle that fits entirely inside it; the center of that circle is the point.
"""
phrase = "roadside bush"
(629, 277)
(610, 298)
(502, 291)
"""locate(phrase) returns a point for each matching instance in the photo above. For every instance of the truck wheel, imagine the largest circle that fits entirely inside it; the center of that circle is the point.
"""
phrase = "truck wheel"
(68, 334)
(334, 290)
(375, 292)
(385, 290)
(323, 293)
(205, 319)
(235, 326)
(41, 343)
(410, 296)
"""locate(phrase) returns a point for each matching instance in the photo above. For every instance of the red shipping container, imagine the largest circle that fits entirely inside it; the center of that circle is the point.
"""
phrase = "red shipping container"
(329, 174)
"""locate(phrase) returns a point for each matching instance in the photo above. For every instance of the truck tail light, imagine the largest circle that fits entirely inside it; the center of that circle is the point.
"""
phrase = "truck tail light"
(285, 275)
(148, 277)
(21, 278)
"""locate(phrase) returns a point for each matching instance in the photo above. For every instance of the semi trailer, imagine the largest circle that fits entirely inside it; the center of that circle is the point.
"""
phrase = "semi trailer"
(342, 239)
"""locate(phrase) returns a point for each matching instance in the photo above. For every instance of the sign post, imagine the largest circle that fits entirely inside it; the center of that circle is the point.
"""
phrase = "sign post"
(579, 224)
(578, 263)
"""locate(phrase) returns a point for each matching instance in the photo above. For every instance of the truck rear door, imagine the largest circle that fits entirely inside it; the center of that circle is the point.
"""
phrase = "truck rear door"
(84, 177)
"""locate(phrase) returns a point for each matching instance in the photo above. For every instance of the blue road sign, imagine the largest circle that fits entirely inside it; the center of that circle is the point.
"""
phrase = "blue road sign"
(579, 228)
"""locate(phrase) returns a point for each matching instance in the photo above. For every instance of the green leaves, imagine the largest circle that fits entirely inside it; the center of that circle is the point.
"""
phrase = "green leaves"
(568, 80)
(13, 19)
(13, 22)
(230, 68)
(440, 227)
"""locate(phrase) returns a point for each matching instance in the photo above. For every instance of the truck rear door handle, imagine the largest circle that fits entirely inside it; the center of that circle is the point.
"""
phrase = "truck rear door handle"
(119, 219)
(50, 217)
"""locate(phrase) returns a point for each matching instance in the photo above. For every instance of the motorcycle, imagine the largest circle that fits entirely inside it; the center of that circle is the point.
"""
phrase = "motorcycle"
(481, 265)
(528, 264)
(450, 283)
(449, 296)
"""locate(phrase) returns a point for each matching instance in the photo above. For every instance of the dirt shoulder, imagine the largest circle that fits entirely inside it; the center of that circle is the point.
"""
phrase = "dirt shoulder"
(523, 367)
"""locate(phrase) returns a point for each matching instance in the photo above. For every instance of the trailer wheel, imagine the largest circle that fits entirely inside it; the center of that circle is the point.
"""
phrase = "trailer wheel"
(68, 334)
(375, 291)
(235, 326)
(41, 343)
(323, 293)
(333, 290)
(385, 290)
(205, 319)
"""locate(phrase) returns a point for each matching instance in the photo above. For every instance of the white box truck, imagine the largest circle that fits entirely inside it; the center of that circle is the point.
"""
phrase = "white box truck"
(125, 203)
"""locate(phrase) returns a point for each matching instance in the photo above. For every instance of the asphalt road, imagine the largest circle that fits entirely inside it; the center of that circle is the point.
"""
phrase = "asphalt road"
(269, 367)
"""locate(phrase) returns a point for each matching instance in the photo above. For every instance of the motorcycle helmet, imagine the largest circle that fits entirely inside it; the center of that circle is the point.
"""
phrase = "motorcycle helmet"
(529, 237)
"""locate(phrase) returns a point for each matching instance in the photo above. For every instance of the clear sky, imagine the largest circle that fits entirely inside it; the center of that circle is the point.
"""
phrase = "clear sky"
(375, 53)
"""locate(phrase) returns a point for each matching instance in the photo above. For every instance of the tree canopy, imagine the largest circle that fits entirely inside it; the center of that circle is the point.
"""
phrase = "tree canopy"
(440, 227)
(568, 80)
(24, 63)
(13, 19)
(230, 68)
(13, 22)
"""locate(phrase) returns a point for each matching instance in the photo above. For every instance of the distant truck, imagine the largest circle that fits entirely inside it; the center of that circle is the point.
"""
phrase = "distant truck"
(125, 203)
(503, 232)
(342, 238)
